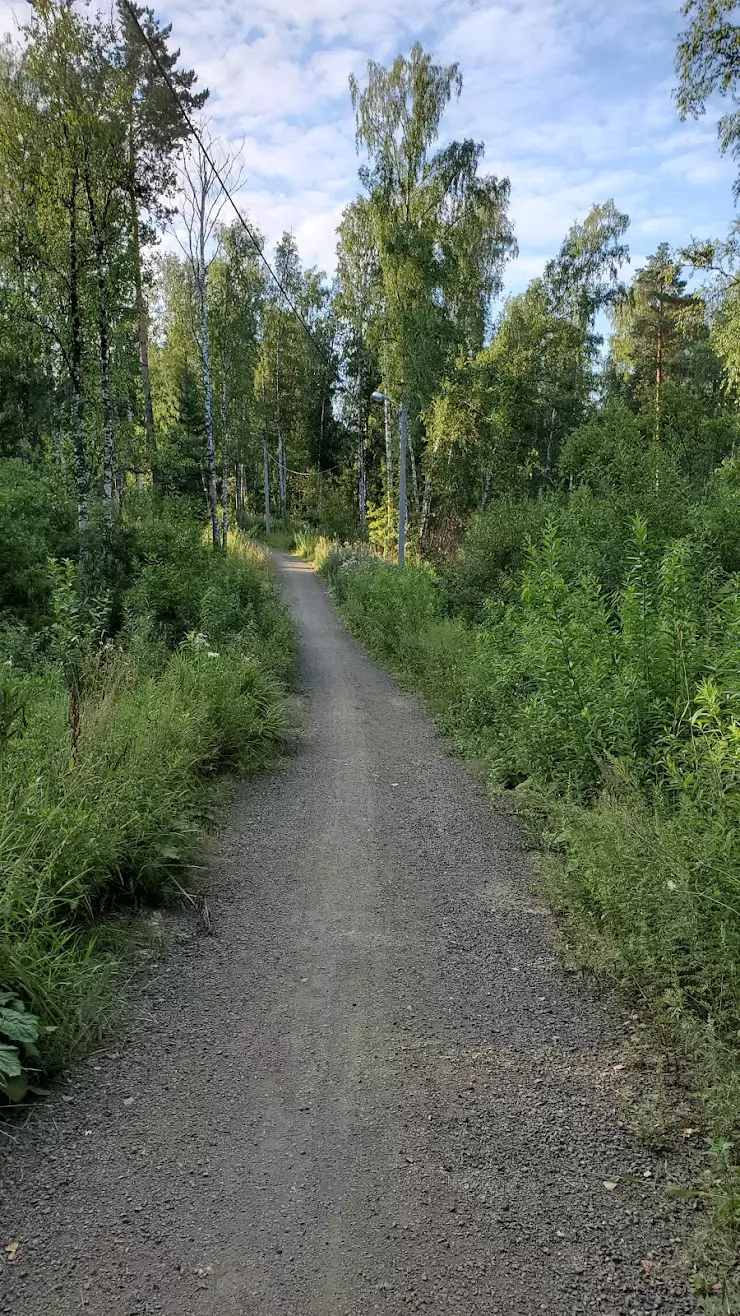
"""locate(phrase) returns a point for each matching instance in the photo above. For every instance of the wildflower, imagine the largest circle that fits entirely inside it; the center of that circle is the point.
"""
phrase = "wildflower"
(671, 884)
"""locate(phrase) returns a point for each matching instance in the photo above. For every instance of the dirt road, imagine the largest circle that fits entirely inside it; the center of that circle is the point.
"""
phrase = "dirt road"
(373, 1091)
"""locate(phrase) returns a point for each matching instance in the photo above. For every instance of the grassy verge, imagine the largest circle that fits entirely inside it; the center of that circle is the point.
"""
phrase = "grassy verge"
(616, 721)
(108, 746)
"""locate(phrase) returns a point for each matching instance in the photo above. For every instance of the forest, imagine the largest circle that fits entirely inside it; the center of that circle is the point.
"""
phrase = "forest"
(172, 395)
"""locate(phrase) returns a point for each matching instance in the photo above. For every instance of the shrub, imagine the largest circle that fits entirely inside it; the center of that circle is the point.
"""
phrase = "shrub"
(620, 711)
(111, 812)
(493, 552)
(37, 521)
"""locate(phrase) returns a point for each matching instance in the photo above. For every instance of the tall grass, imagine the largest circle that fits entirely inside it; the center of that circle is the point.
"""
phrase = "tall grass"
(111, 812)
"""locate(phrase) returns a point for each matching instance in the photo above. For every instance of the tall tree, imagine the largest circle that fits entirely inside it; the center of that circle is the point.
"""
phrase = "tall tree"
(203, 201)
(440, 228)
(708, 64)
(654, 321)
(155, 132)
(235, 311)
(356, 305)
(584, 278)
(45, 238)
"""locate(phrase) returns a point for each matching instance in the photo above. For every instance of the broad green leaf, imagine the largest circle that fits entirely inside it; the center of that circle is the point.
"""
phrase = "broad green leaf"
(10, 1064)
(19, 1027)
(15, 1089)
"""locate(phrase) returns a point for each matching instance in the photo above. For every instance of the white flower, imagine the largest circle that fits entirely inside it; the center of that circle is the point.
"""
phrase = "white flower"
(671, 884)
(212, 654)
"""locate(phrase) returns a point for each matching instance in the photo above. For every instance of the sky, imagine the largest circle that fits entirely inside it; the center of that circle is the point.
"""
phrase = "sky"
(572, 98)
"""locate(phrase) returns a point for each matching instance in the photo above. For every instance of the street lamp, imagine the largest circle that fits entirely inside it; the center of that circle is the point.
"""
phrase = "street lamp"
(383, 397)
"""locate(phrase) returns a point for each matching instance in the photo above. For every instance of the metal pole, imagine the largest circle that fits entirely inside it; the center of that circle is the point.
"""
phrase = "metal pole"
(402, 487)
(266, 460)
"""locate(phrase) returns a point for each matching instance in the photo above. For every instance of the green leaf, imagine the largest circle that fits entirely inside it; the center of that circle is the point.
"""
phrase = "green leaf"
(15, 1089)
(19, 1027)
(10, 1064)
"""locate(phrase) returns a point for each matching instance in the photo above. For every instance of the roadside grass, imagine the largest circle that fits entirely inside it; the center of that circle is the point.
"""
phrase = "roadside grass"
(616, 722)
(108, 759)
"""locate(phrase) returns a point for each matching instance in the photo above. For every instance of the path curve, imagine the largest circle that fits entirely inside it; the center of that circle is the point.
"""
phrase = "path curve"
(373, 1091)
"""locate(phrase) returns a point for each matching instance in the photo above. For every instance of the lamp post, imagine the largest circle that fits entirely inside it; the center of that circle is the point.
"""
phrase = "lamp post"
(383, 397)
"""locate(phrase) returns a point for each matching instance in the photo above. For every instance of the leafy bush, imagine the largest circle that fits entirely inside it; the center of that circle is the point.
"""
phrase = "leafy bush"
(37, 521)
(493, 552)
(621, 711)
(108, 808)
(19, 1054)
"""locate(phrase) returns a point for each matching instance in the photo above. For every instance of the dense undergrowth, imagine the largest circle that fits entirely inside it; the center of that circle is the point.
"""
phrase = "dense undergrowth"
(121, 699)
(592, 660)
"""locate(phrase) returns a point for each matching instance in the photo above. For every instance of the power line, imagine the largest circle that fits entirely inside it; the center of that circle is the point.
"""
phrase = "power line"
(217, 174)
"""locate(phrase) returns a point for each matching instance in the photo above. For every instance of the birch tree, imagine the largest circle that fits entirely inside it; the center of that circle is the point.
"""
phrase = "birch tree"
(440, 228)
(203, 200)
(155, 132)
(236, 305)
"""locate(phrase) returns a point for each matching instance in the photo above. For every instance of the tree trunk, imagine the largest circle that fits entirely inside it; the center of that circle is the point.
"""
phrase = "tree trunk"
(414, 476)
(104, 353)
(426, 507)
(75, 363)
(321, 446)
(486, 488)
(142, 316)
(548, 451)
(388, 472)
(208, 391)
(658, 384)
(238, 480)
(282, 475)
(266, 469)
(361, 474)
(224, 460)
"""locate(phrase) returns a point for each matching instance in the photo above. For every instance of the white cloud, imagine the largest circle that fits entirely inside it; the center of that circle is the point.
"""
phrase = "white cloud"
(573, 99)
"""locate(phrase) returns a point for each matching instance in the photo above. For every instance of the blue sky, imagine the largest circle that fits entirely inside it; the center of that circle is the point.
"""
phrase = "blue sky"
(571, 97)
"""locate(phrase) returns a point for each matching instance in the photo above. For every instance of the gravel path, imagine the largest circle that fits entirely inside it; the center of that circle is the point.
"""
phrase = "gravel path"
(373, 1091)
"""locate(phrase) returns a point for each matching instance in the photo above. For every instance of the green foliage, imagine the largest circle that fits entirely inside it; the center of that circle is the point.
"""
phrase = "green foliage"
(706, 63)
(37, 521)
(19, 1053)
(160, 713)
(493, 552)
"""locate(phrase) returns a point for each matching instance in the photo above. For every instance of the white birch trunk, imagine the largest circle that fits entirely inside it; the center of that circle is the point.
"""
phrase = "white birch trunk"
(266, 470)
(426, 506)
(361, 475)
(388, 470)
(414, 476)
(207, 385)
(282, 476)
(224, 459)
